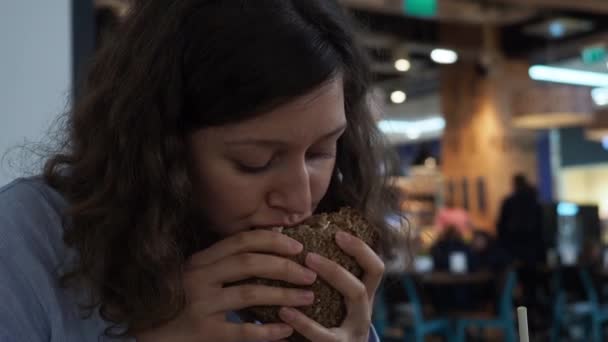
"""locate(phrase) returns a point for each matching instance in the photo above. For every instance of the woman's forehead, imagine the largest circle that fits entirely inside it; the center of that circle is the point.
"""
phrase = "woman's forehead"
(315, 114)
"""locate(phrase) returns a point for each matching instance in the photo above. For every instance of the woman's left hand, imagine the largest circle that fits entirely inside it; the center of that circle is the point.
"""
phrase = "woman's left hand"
(358, 294)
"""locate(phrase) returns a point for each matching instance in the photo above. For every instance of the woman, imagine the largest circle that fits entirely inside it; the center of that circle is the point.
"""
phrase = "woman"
(200, 123)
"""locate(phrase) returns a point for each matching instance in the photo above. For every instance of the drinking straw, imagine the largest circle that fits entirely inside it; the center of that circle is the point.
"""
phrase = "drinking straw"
(522, 322)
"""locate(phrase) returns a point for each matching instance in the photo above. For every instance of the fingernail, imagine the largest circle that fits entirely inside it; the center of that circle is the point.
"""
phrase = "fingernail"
(295, 246)
(343, 238)
(287, 314)
(284, 330)
(309, 276)
(313, 259)
(306, 296)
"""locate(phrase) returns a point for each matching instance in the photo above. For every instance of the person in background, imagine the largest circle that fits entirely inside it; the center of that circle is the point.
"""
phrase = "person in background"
(519, 227)
(452, 297)
(448, 242)
(201, 123)
(519, 230)
(487, 254)
(451, 215)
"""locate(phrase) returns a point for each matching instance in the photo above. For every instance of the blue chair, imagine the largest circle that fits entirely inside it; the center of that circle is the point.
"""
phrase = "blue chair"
(380, 313)
(598, 312)
(416, 328)
(504, 320)
(565, 314)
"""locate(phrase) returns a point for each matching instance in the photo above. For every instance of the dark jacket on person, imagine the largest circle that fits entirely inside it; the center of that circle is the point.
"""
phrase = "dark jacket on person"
(520, 226)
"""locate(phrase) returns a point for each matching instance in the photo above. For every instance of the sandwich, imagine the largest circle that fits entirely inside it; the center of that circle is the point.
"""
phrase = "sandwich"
(317, 234)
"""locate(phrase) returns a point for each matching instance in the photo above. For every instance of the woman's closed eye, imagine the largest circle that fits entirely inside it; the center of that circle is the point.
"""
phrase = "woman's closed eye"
(260, 165)
(322, 151)
(253, 167)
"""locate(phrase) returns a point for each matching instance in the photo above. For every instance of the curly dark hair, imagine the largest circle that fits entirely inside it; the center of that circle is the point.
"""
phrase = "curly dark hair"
(125, 168)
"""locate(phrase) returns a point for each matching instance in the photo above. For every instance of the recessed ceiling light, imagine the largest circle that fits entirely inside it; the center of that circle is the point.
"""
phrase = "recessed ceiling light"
(402, 65)
(413, 134)
(444, 56)
(600, 96)
(398, 96)
(560, 27)
(557, 29)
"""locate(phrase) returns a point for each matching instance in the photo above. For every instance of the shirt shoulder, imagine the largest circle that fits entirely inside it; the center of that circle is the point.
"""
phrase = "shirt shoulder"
(30, 252)
(31, 217)
(32, 257)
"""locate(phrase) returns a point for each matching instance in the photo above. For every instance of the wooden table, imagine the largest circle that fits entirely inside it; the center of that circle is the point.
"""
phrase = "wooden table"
(449, 278)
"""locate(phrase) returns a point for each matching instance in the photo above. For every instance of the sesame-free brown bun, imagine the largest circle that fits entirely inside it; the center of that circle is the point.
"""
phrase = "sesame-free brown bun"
(317, 234)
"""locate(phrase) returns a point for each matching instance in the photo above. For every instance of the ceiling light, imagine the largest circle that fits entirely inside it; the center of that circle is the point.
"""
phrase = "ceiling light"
(444, 56)
(413, 134)
(412, 128)
(568, 76)
(600, 96)
(402, 65)
(557, 29)
(398, 96)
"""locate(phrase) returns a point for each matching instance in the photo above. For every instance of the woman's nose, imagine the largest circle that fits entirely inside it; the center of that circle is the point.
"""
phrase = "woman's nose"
(292, 194)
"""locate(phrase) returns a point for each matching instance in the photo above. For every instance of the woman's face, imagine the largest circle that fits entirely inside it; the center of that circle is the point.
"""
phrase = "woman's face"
(273, 169)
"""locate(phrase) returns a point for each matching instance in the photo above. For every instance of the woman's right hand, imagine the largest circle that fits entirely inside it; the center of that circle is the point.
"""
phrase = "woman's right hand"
(236, 258)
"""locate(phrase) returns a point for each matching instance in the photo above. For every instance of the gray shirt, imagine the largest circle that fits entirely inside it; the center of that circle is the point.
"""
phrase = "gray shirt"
(33, 307)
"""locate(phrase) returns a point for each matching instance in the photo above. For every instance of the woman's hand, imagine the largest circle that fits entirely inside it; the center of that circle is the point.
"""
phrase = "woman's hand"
(358, 294)
(207, 300)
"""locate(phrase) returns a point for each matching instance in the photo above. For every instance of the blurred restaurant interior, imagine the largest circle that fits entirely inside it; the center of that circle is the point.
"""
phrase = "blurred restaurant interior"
(497, 116)
(496, 111)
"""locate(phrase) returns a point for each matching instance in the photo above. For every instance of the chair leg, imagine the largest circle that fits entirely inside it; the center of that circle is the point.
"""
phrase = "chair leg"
(510, 335)
(461, 331)
(596, 330)
(555, 332)
(448, 336)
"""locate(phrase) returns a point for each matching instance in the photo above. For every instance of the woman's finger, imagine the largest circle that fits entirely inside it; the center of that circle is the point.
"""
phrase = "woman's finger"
(370, 262)
(338, 277)
(249, 265)
(251, 241)
(307, 327)
(354, 291)
(251, 332)
(243, 296)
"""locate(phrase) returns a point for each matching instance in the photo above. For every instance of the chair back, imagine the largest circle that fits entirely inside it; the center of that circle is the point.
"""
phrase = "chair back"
(505, 304)
(589, 288)
(380, 313)
(415, 302)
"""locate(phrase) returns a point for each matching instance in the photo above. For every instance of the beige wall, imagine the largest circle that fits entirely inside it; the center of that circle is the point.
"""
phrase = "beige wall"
(588, 184)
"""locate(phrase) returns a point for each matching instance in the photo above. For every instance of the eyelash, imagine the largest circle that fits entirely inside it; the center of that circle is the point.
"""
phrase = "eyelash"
(260, 169)
(321, 155)
(253, 170)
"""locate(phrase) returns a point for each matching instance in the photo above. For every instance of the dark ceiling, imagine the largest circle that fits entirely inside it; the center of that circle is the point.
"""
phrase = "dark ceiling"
(515, 41)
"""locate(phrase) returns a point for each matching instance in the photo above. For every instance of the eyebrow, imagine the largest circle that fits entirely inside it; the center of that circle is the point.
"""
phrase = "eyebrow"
(273, 142)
